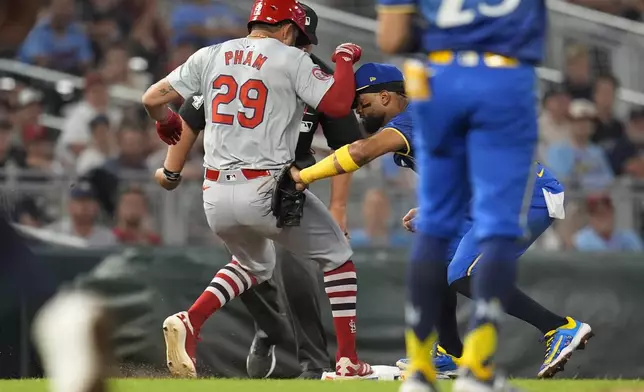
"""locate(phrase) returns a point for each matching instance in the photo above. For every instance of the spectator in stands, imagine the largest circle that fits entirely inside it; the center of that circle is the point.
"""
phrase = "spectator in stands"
(554, 121)
(11, 157)
(82, 222)
(132, 217)
(30, 211)
(101, 147)
(132, 153)
(578, 161)
(76, 133)
(578, 80)
(631, 9)
(27, 112)
(58, 41)
(115, 67)
(601, 234)
(627, 158)
(608, 129)
(149, 36)
(180, 54)
(376, 232)
(40, 164)
(104, 32)
(204, 23)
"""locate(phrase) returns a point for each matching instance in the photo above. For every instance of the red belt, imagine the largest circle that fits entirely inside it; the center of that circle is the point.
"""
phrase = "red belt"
(213, 175)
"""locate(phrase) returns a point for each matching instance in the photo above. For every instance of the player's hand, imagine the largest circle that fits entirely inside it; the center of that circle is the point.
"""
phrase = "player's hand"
(164, 182)
(347, 52)
(295, 175)
(339, 214)
(407, 220)
(169, 130)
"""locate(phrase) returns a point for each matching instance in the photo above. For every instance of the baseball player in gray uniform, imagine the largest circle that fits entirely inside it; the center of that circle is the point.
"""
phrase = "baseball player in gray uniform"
(286, 308)
(255, 90)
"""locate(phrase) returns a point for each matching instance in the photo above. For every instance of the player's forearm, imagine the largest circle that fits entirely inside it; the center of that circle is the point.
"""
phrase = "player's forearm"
(340, 185)
(177, 154)
(394, 32)
(156, 99)
(339, 162)
(338, 99)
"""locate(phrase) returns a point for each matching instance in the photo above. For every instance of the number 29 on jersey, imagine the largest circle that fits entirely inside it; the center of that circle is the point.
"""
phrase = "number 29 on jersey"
(252, 95)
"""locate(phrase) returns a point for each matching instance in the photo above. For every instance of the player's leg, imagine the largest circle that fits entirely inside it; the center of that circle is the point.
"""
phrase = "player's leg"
(501, 145)
(72, 332)
(562, 335)
(267, 305)
(450, 346)
(253, 262)
(318, 238)
(443, 197)
(302, 289)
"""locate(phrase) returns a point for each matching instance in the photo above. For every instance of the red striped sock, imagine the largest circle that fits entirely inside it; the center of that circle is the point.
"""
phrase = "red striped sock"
(341, 286)
(228, 283)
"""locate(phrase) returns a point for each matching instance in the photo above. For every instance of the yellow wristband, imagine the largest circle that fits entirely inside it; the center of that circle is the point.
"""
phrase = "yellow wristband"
(345, 160)
(327, 167)
(323, 169)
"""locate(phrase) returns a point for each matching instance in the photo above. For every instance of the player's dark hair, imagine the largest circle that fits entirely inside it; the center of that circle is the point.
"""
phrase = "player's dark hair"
(271, 28)
(608, 77)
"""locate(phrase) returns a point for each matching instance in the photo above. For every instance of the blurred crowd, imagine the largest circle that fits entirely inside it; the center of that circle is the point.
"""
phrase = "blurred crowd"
(631, 9)
(107, 44)
(107, 147)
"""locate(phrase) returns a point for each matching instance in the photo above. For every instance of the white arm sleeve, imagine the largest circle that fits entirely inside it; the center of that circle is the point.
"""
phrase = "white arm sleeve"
(311, 83)
(186, 79)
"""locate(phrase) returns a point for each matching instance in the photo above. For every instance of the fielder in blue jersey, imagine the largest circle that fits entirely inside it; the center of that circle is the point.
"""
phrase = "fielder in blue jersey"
(475, 119)
(384, 109)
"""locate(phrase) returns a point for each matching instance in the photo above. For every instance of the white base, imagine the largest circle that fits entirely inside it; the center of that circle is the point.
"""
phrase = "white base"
(380, 373)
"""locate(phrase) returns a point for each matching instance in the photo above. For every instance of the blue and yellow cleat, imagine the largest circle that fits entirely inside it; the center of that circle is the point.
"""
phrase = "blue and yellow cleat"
(561, 343)
(444, 363)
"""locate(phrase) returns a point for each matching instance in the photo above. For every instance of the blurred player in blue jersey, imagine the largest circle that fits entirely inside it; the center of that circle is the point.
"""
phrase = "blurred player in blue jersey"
(385, 112)
(477, 131)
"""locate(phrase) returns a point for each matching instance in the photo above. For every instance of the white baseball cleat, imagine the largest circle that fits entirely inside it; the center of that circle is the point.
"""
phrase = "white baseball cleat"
(181, 345)
(72, 333)
(347, 369)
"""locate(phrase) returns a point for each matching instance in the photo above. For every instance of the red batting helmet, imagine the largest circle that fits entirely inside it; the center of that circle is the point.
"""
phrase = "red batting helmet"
(275, 11)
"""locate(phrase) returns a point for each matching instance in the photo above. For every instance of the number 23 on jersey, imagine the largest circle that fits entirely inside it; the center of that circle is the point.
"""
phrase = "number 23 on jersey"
(454, 13)
(252, 95)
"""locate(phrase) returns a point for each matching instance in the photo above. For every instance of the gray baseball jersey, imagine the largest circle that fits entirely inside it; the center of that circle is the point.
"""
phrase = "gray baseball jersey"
(255, 90)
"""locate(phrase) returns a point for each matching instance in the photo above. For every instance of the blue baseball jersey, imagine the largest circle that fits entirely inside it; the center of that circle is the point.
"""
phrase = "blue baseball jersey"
(402, 124)
(512, 28)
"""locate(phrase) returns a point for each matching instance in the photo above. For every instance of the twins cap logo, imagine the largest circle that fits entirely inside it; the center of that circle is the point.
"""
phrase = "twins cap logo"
(372, 78)
(308, 21)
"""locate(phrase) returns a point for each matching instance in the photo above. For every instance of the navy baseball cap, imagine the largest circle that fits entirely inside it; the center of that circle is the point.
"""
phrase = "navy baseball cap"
(376, 77)
(83, 190)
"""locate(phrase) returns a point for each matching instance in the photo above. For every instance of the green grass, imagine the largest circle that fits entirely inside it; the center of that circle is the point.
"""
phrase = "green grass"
(226, 385)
